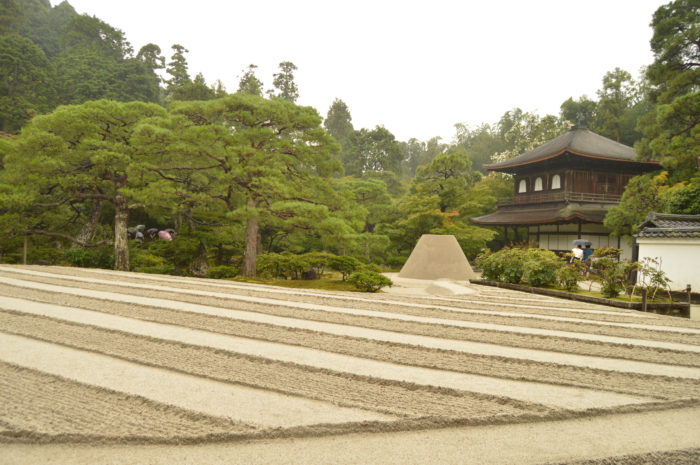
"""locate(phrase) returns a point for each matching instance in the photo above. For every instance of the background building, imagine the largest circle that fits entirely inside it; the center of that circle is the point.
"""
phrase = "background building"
(564, 188)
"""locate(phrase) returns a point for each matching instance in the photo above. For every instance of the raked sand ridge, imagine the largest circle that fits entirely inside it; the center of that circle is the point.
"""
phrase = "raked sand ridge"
(219, 361)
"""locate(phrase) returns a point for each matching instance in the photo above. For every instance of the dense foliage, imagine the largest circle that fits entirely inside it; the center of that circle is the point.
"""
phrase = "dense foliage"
(96, 138)
(516, 265)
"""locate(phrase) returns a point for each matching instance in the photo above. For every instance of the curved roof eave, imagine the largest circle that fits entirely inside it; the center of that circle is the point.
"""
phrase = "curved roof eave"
(498, 167)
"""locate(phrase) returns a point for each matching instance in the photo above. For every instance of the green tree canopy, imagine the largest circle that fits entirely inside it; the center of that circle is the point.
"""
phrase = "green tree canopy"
(249, 83)
(257, 159)
(82, 154)
(26, 85)
(672, 129)
(376, 150)
(177, 68)
(283, 81)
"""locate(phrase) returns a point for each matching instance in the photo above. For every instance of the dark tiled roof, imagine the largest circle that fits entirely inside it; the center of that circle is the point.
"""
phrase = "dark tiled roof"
(669, 225)
(579, 141)
(669, 232)
(534, 214)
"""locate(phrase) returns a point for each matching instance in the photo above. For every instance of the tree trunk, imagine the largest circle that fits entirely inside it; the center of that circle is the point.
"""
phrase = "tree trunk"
(121, 235)
(87, 232)
(200, 264)
(251, 242)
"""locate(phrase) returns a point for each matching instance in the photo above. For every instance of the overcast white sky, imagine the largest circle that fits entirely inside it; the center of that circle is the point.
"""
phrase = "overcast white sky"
(416, 67)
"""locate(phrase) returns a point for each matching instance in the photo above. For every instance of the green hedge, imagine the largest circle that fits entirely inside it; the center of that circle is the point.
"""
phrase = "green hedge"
(368, 280)
(535, 267)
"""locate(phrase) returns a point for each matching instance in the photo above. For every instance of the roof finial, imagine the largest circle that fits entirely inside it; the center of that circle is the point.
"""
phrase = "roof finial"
(580, 121)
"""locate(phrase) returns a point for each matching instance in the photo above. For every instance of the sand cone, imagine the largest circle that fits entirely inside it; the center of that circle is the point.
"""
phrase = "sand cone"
(437, 257)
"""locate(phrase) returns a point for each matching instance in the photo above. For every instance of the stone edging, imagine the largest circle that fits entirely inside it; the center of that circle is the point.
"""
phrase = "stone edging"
(666, 308)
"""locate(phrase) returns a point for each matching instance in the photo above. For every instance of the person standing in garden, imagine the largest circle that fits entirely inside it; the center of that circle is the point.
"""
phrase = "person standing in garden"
(577, 253)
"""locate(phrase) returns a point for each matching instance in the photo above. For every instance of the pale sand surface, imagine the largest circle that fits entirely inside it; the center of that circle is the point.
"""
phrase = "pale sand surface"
(320, 363)
(554, 396)
(409, 287)
(412, 292)
(523, 444)
(493, 338)
(182, 284)
(133, 348)
(253, 406)
(437, 343)
(402, 317)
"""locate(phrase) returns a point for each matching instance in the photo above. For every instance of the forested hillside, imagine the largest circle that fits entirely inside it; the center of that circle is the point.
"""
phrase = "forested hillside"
(97, 138)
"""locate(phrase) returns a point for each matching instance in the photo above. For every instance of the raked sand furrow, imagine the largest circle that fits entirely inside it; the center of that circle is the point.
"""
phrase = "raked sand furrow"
(408, 401)
(38, 406)
(601, 363)
(72, 296)
(239, 403)
(652, 329)
(522, 311)
(499, 367)
(461, 303)
(375, 314)
(555, 396)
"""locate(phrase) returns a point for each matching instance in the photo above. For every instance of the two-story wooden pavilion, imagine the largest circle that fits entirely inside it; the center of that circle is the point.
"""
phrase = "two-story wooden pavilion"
(564, 188)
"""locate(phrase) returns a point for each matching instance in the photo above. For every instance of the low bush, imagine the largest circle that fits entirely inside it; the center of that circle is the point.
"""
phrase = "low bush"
(569, 276)
(536, 267)
(282, 265)
(90, 257)
(506, 265)
(143, 261)
(369, 281)
(344, 264)
(396, 261)
(221, 272)
(540, 267)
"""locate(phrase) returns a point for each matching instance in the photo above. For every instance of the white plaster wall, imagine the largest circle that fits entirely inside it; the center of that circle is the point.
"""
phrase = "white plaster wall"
(680, 259)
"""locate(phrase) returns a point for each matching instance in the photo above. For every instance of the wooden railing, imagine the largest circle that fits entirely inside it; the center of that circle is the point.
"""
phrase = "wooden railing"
(541, 197)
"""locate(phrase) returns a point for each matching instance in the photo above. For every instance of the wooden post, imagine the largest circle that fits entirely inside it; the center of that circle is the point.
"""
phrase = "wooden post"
(24, 250)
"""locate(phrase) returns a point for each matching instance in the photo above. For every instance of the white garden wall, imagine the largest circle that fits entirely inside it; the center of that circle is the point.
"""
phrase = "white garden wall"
(679, 257)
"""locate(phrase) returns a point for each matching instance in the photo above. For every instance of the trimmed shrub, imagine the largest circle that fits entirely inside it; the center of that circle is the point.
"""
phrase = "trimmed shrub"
(506, 265)
(396, 261)
(318, 261)
(610, 271)
(282, 265)
(143, 261)
(536, 267)
(272, 265)
(221, 271)
(90, 257)
(540, 267)
(568, 276)
(178, 254)
(344, 264)
(369, 281)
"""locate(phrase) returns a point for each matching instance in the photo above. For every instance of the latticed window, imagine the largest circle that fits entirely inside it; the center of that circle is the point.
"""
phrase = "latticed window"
(522, 186)
(556, 182)
(538, 184)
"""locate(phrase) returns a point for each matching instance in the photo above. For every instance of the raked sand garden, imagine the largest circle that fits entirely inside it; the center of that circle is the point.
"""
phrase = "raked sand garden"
(108, 367)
